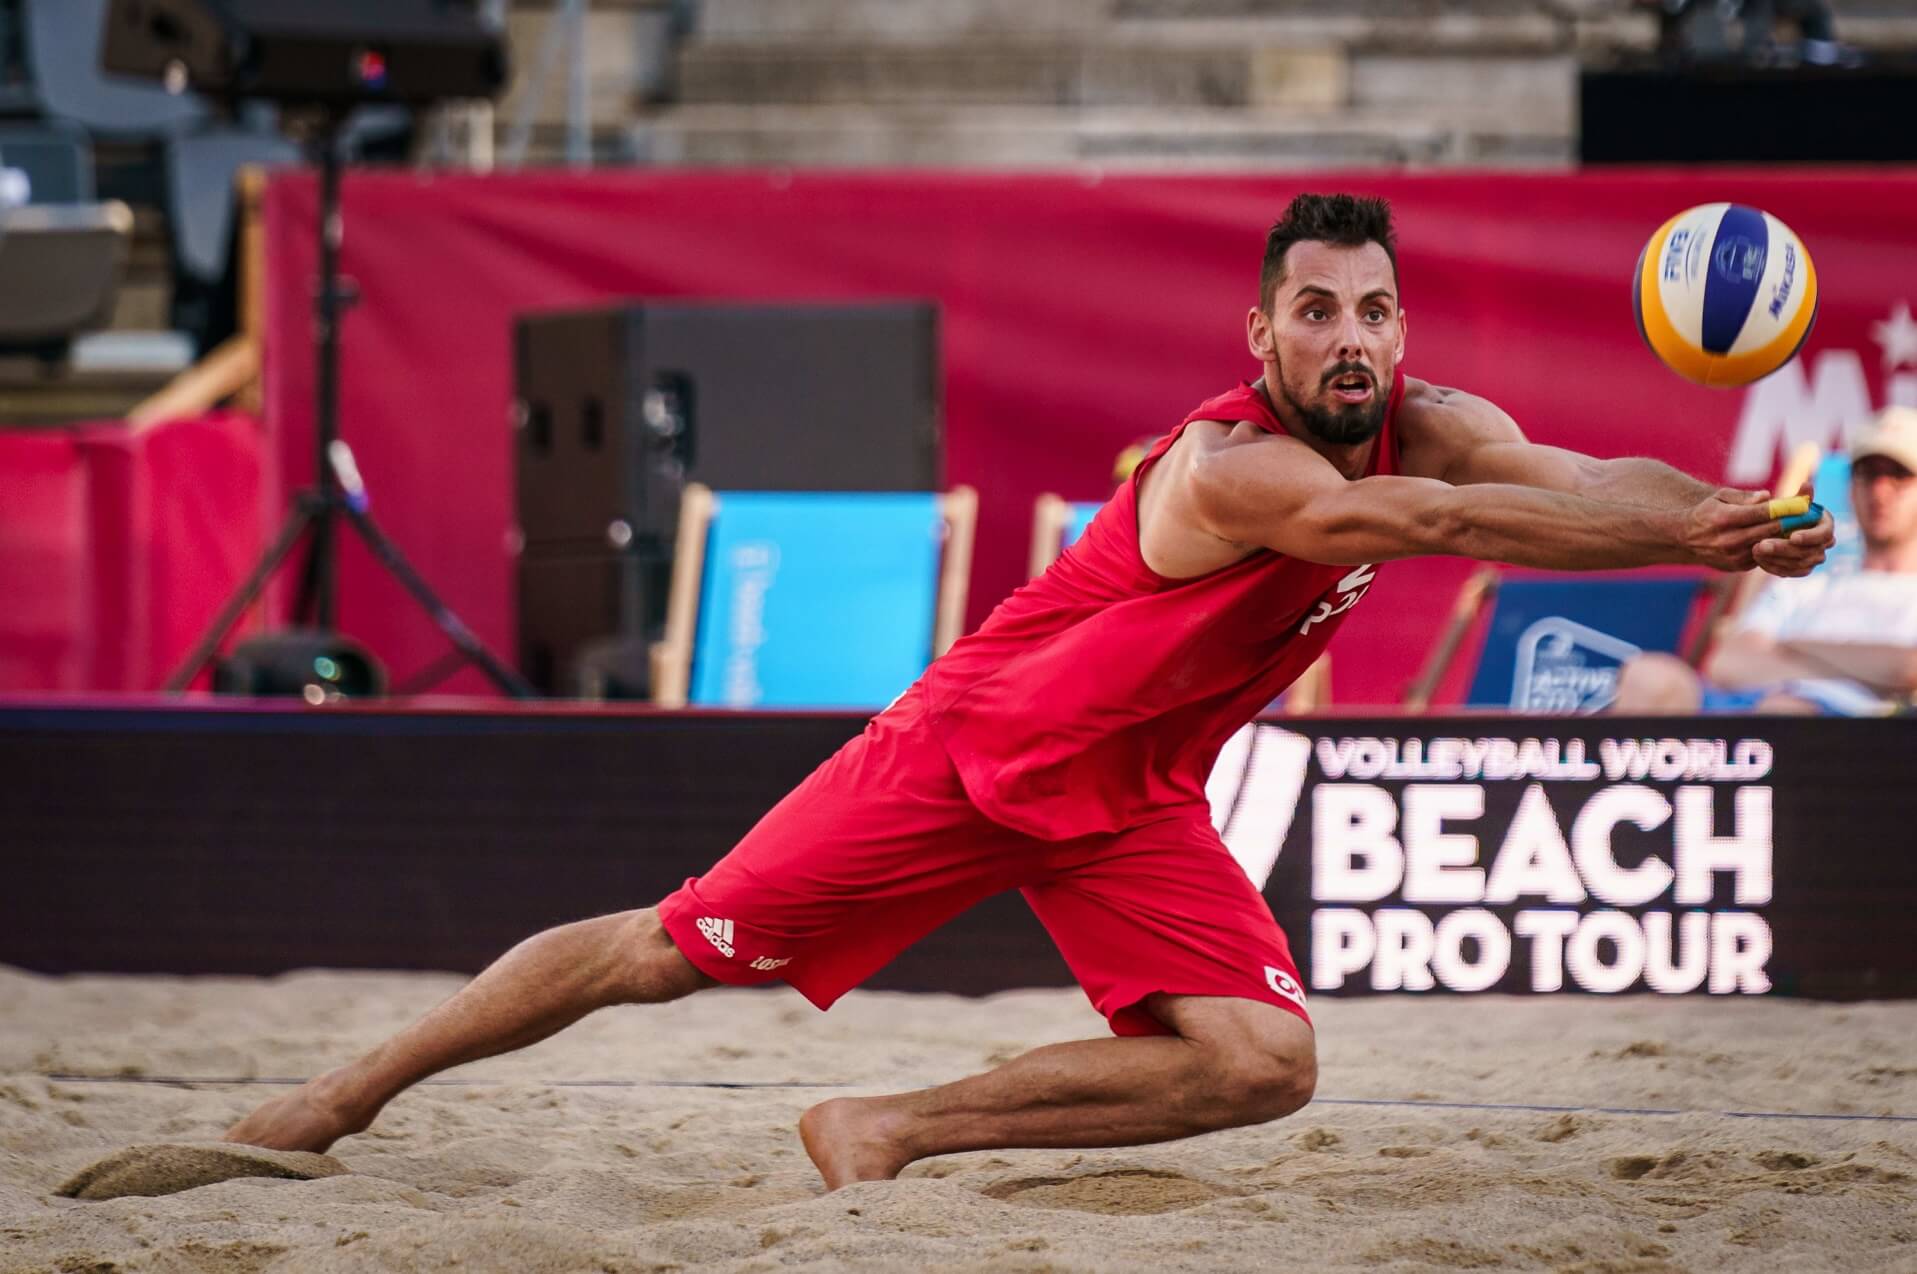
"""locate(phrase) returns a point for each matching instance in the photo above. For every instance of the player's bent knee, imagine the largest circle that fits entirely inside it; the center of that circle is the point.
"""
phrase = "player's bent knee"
(1267, 1073)
(1270, 1085)
(652, 968)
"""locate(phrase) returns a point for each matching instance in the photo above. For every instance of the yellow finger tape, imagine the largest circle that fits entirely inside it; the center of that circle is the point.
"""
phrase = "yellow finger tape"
(1790, 507)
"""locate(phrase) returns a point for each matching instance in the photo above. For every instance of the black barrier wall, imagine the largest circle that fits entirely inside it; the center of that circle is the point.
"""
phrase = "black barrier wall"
(229, 840)
(1720, 855)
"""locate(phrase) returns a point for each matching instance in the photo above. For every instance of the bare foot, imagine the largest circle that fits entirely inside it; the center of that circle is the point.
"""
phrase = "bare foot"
(852, 1139)
(311, 1117)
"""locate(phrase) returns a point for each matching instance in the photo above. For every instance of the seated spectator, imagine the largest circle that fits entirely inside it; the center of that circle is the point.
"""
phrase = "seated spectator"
(1754, 665)
(1817, 45)
(1700, 31)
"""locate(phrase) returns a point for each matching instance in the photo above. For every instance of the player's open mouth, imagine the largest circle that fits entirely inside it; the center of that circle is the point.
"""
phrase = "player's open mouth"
(1351, 389)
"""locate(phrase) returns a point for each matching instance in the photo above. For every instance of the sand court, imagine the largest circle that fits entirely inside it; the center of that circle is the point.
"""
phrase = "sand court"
(1488, 1133)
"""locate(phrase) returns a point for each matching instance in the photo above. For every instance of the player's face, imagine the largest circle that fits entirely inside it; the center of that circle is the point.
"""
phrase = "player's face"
(1332, 339)
(1884, 494)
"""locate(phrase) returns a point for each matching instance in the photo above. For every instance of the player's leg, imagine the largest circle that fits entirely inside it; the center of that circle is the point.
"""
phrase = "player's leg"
(1173, 944)
(1229, 1062)
(541, 986)
(875, 848)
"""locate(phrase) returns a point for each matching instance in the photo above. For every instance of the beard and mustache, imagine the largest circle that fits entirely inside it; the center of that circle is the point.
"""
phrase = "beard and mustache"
(1344, 424)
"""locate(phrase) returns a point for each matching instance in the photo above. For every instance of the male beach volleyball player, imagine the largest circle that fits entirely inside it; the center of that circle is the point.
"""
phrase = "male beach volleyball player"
(1063, 748)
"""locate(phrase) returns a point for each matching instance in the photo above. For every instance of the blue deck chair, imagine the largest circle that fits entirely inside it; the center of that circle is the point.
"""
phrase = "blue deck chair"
(1556, 645)
(811, 599)
(1056, 526)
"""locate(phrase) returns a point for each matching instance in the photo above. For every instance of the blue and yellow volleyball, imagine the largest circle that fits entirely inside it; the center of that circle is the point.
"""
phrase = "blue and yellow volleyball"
(1724, 294)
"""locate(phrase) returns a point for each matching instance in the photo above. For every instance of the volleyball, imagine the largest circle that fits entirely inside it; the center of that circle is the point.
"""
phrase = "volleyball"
(1724, 294)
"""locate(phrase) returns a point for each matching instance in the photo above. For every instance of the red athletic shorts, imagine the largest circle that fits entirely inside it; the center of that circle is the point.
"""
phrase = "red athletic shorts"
(881, 845)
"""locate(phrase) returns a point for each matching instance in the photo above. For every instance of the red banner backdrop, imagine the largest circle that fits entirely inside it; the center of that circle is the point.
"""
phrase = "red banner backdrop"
(1078, 313)
(117, 545)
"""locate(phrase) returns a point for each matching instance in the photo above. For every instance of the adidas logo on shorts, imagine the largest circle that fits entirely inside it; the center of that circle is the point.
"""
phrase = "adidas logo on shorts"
(718, 933)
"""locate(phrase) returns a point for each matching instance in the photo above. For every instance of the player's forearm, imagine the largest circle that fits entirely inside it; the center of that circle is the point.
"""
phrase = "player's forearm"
(1385, 518)
(1641, 483)
(1552, 530)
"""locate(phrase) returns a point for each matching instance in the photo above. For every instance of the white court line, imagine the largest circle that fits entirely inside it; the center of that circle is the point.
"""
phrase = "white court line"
(189, 1081)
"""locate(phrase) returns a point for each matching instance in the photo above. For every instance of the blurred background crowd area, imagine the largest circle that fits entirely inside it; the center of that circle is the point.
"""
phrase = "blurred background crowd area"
(147, 275)
(1169, 85)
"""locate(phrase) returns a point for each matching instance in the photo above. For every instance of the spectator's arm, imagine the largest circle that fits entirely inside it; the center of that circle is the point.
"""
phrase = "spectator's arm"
(1745, 660)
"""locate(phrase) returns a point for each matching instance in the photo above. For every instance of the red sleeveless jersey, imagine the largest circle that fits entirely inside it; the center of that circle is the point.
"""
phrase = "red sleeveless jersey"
(1097, 697)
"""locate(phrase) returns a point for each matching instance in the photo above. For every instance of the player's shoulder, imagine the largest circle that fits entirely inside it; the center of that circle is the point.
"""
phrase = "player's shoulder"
(1210, 435)
(1423, 398)
(1431, 410)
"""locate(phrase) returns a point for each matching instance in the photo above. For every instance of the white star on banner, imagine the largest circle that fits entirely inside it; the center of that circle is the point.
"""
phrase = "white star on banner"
(1898, 336)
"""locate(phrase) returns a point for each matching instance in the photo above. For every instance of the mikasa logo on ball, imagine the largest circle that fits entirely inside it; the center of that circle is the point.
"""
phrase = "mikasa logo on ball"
(1783, 292)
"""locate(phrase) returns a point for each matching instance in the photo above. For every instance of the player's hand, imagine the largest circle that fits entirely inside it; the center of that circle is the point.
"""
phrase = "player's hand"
(1723, 531)
(1799, 553)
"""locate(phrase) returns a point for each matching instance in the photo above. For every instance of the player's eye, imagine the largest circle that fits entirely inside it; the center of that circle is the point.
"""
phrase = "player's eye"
(1376, 315)
(1314, 313)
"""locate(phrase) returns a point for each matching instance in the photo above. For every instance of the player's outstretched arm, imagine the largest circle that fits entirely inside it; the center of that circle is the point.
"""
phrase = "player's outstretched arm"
(1463, 439)
(1277, 493)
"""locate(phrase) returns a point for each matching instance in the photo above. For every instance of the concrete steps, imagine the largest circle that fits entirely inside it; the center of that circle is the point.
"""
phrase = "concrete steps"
(1132, 83)
(1114, 138)
(900, 21)
(626, 62)
(1124, 83)
(980, 71)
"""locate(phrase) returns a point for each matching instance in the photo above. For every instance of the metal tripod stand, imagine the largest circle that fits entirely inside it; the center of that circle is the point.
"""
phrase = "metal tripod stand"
(338, 491)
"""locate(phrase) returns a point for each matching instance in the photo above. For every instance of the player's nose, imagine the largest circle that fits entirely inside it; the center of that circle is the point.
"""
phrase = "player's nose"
(1350, 338)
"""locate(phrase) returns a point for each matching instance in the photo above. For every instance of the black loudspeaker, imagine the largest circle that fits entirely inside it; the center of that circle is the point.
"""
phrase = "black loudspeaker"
(340, 53)
(1722, 113)
(617, 409)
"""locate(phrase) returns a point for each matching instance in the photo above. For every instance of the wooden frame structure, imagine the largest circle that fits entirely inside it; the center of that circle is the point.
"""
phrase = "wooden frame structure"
(1050, 514)
(232, 369)
(1480, 588)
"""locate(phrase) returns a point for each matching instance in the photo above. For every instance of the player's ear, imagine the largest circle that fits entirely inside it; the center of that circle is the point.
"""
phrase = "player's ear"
(1259, 336)
(1399, 355)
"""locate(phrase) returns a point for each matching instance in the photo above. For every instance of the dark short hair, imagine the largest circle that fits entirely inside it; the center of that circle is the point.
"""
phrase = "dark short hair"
(1345, 220)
